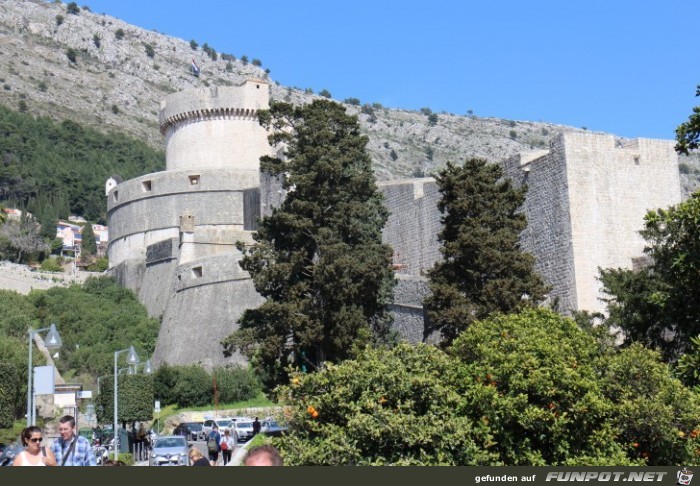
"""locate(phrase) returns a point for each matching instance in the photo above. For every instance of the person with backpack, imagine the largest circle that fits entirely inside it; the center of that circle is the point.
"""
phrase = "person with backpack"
(214, 445)
(228, 443)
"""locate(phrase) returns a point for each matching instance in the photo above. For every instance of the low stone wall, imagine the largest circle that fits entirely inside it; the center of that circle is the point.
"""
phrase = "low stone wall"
(22, 279)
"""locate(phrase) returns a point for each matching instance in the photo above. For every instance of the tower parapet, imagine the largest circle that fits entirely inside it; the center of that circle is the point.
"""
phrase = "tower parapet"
(215, 127)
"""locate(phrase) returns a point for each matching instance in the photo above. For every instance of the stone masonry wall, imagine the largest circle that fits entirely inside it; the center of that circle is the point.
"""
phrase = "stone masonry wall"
(611, 187)
(414, 223)
(209, 295)
(548, 234)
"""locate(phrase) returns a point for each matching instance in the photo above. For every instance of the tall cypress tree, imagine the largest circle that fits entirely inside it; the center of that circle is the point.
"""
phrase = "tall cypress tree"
(483, 269)
(318, 258)
(88, 245)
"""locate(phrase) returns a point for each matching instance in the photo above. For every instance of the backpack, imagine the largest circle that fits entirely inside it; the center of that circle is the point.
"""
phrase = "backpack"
(224, 444)
(212, 446)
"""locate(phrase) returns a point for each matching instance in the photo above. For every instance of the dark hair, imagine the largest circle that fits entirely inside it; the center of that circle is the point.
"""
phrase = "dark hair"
(110, 462)
(27, 433)
(265, 450)
(68, 419)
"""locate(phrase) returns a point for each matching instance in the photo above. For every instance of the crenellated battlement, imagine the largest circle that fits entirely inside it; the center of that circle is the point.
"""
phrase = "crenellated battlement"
(237, 102)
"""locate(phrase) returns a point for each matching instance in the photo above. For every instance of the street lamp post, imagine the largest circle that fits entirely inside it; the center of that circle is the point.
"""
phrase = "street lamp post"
(132, 359)
(53, 341)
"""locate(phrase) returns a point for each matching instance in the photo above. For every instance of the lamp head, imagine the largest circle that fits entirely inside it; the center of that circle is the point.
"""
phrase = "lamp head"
(53, 339)
(133, 358)
(148, 369)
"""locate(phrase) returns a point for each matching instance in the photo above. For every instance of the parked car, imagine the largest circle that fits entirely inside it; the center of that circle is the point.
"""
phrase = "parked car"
(195, 429)
(272, 427)
(243, 430)
(170, 450)
(190, 430)
(9, 452)
(207, 426)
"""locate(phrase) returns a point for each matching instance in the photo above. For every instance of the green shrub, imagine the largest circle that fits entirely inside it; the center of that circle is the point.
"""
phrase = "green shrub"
(100, 265)
(194, 387)
(119, 34)
(524, 389)
(51, 265)
(72, 8)
(59, 20)
(256, 62)
(71, 54)
(126, 457)
(193, 45)
(150, 51)
(236, 384)
(352, 101)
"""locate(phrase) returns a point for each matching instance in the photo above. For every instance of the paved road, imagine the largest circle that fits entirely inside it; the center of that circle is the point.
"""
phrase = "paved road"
(236, 458)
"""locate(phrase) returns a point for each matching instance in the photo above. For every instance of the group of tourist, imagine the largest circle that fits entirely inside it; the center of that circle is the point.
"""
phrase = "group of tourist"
(72, 449)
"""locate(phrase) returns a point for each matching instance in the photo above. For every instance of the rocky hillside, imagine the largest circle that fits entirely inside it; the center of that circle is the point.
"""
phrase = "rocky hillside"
(106, 73)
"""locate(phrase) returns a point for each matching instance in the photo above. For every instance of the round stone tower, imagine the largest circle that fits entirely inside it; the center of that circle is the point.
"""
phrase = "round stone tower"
(173, 234)
(215, 127)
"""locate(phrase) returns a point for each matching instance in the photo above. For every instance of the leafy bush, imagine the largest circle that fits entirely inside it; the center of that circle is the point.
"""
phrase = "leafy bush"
(256, 62)
(9, 384)
(194, 387)
(119, 34)
(72, 8)
(387, 407)
(525, 389)
(72, 55)
(59, 20)
(352, 101)
(51, 265)
(432, 119)
(325, 93)
(236, 384)
(135, 399)
(94, 320)
(150, 51)
(193, 45)
(96, 40)
(100, 265)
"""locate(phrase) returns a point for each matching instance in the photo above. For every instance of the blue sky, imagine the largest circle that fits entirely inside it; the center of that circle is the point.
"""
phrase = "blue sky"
(624, 67)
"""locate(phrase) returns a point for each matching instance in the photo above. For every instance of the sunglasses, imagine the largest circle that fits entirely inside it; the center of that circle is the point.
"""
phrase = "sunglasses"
(36, 440)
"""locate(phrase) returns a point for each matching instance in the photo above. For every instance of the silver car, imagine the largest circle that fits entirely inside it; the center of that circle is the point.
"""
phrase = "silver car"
(244, 430)
(170, 450)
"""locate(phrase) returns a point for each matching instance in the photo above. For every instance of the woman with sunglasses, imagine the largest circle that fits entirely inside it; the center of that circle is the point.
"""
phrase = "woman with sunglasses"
(34, 453)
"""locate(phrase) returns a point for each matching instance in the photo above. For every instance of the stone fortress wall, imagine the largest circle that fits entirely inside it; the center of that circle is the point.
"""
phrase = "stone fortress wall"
(173, 233)
(586, 203)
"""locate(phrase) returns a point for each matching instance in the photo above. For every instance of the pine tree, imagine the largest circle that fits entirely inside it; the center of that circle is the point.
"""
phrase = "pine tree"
(318, 258)
(483, 269)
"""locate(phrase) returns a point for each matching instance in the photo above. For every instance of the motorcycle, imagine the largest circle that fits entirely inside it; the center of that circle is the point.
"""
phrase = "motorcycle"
(103, 451)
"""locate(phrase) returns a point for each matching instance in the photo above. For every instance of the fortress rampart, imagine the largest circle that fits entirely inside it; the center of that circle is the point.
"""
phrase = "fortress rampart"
(173, 233)
(587, 197)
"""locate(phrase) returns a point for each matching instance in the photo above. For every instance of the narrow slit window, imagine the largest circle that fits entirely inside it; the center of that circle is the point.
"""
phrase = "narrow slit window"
(194, 180)
(116, 196)
(146, 186)
(197, 272)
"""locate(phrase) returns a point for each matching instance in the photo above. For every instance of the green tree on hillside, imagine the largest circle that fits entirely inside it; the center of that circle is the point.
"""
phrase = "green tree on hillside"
(66, 164)
(318, 258)
(658, 305)
(483, 269)
(88, 245)
(688, 133)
